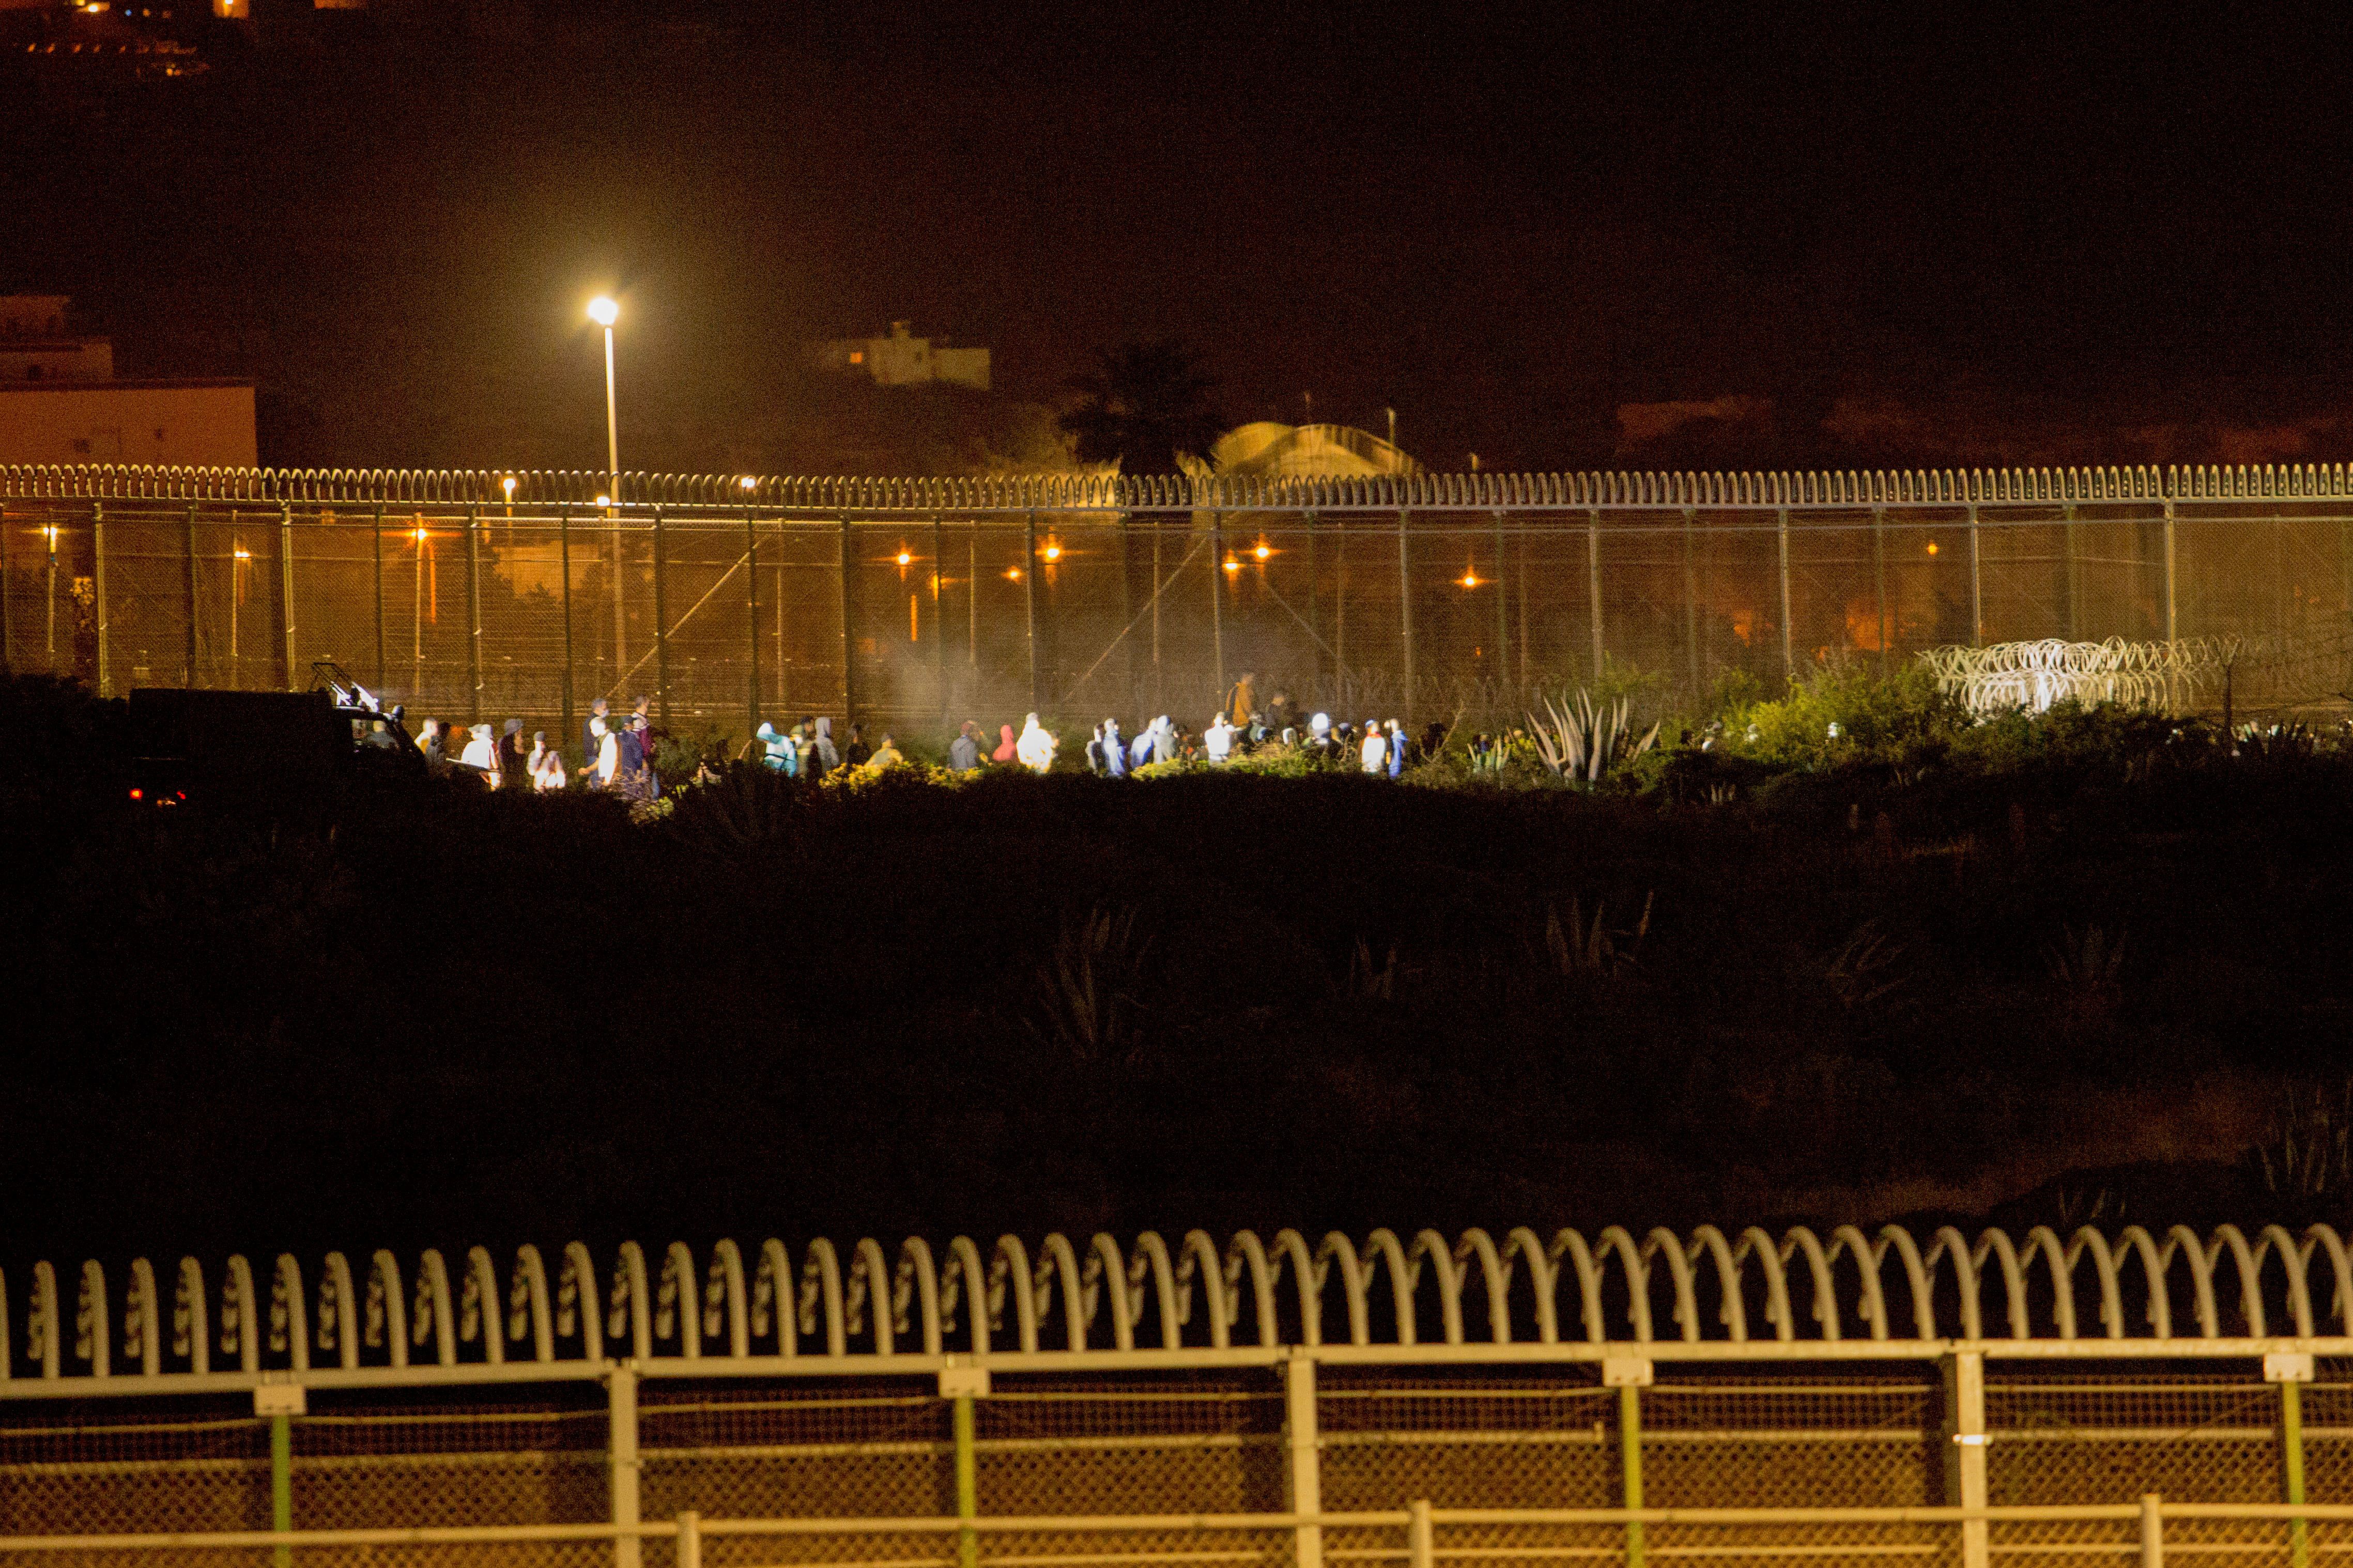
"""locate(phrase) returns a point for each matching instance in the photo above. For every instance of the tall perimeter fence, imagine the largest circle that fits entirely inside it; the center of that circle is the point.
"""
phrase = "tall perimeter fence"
(918, 603)
(1251, 1401)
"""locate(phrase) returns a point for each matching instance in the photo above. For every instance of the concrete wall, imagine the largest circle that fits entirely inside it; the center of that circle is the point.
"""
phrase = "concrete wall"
(206, 424)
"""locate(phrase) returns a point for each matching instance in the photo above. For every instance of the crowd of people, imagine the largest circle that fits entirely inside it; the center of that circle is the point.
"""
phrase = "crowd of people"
(618, 756)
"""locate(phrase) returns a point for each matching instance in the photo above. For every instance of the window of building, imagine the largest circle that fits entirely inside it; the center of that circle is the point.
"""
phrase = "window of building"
(857, 357)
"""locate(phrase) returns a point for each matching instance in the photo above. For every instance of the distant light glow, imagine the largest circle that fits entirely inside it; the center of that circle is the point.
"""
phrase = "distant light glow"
(1263, 551)
(243, 555)
(419, 535)
(1469, 579)
(603, 311)
(1932, 547)
(1013, 573)
(1232, 564)
(905, 558)
(508, 485)
(1052, 552)
(601, 501)
(748, 482)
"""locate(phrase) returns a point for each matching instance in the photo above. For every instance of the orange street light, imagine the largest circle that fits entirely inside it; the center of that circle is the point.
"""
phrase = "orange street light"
(1232, 564)
(1263, 550)
(1470, 579)
(748, 482)
(905, 558)
(1013, 573)
(1932, 547)
(243, 555)
(1052, 552)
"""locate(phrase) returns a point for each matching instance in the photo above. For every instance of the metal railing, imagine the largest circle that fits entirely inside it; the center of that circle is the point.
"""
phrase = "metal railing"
(1417, 1535)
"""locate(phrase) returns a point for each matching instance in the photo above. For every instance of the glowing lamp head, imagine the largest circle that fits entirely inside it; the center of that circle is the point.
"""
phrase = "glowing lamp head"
(1263, 551)
(1469, 579)
(419, 535)
(507, 485)
(242, 554)
(1232, 564)
(1932, 547)
(1013, 573)
(748, 482)
(1053, 552)
(603, 311)
(601, 501)
(905, 558)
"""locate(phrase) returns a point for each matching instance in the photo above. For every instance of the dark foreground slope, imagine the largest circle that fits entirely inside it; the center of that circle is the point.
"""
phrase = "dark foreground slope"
(1206, 1000)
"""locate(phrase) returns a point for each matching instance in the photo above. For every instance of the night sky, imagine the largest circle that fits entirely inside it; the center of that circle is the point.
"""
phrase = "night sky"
(1934, 234)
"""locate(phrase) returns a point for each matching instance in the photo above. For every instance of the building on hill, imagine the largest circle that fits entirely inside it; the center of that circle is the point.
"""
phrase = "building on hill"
(899, 358)
(60, 400)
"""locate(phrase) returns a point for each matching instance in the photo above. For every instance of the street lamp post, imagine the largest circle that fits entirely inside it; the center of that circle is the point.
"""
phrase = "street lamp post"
(605, 312)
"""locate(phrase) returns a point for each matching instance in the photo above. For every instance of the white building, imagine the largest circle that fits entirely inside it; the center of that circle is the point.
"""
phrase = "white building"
(899, 358)
(60, 403)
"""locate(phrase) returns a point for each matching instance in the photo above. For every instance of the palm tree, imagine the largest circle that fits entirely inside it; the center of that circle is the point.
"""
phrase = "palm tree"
(1142, 404)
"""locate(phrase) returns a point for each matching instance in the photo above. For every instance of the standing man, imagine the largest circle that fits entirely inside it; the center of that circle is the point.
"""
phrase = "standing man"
(590, 740)
(963, 751)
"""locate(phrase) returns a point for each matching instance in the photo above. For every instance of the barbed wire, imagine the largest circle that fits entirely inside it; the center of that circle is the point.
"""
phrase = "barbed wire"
(1099, 1295)
(1020, 492)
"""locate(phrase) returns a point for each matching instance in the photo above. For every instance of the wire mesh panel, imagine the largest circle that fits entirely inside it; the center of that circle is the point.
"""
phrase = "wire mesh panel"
(1717, 1441)
(853, 1448)
(89, 1469)
(1184, 1443)
(2102, 1437)
(1392, 1437)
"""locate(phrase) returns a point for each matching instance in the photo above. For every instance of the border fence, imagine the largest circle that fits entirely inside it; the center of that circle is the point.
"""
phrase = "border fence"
(918, 603)
(1204, 1403)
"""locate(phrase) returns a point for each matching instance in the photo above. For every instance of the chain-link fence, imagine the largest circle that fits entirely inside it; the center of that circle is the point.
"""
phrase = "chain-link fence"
(1203, 1442)
(918, 621)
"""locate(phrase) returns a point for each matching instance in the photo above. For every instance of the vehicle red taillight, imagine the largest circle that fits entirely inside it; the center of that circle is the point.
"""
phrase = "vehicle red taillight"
(138, 794)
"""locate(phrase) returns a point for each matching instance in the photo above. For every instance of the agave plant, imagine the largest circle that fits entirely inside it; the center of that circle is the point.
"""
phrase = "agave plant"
(1087, 998)
(1584, 740)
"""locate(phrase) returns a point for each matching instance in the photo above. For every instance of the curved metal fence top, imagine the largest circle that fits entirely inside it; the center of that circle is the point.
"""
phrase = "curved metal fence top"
(837, 495)
(1800, 1289)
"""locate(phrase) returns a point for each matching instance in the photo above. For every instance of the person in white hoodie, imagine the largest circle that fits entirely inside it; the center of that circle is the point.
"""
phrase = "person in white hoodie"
(1218, 740)
(480, 753)
(1035, 749)
(606, 761)
(1376, 751)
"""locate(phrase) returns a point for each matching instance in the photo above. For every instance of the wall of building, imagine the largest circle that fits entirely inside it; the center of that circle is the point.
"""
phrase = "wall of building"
(203, 423)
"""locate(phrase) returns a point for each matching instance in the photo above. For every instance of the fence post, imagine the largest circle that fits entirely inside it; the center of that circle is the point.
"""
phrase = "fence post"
(1976, 575)
(2074, 577)
(1300, 1437)
(2291, 1373)
(286, 590)
(1593, 583)
(1126, 614)
(474, 613)
(7, 611)
(1155, 615)
(661, 621)
(187, 593)
(376, 554)
(1520, 587)
(940, 633)
(1218, 598)
(1789, 638)
(282, 1483)
(621, 1457)
(1502, 603)
(1879, 579)
(98, 592)
(1964, 1448)
(1691, 594)
(1628, 1374)
(1420, 1542)
(2172, 628)
(564, 563)
(690, 1540)
(1029, 597)
(2152, 1531)
(1316, 604)
(751, 617)
(849, 637)
(961, 1385)
(1340, 598)
(1405, 614)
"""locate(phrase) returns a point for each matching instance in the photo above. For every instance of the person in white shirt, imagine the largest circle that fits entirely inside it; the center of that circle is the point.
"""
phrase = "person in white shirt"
(606, 761)
(1035, 749)
(1218, 740)
(1376, 751)
(480, 753)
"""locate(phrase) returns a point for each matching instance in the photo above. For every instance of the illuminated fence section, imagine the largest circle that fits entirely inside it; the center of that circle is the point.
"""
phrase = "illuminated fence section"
(915, 604)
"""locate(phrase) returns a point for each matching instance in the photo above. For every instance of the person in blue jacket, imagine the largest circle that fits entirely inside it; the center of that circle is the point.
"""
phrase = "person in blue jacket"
(1114, 750)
